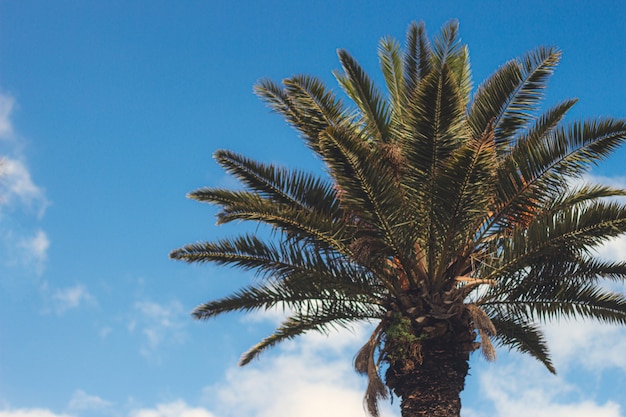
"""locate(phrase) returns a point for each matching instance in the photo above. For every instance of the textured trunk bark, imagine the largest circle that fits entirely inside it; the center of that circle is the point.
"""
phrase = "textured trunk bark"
(430, 378)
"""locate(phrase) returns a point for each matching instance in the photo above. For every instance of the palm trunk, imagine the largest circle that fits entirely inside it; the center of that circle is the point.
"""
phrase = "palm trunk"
(430, 379)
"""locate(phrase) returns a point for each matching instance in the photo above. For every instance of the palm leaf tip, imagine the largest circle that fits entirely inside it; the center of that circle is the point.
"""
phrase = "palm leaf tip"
(179, 255)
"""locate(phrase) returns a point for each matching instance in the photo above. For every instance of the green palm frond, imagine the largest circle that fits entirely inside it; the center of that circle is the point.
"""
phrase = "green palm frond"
(523, 336)
(448, 50)
(535, 70)
(491, 96)
(582, 194)
(446, 45)
(569, 231)
(390, 57)
(280, 185)
(371, 103)
(417, 56)
(541, 172)
(569, 300)
(434, 129)
(322, 319)
(467, 182)
(369, 186)
(305, 104)
(511, 95)
(278, 100)
(314, 100)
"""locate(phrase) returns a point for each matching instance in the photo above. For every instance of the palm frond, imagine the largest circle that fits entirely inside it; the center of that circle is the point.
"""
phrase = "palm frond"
(358, 86)
(449, 51)
(445, 45)
(581, 194)
(433, 131)
(524, 337)
(570, 231)
(369, 186)
(314, 100)
(304, 103)
(541, 172)
(280, 185)
(536, 68)
(491, 97)
(467, 187)
(390, 57)
(277, 100)
(365, 364)
(321, 320)
(417, 56)
(569, 300)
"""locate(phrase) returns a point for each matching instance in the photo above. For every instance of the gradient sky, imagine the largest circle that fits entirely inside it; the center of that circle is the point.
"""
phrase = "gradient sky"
(109, 114)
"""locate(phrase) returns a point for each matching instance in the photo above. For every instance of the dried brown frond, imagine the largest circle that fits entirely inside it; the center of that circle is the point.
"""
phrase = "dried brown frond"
(481, 321)
(376, 390)
(487, 349)
(363, 247)
(365, 354)
(364, 364)
(393, 154)
(485, 328)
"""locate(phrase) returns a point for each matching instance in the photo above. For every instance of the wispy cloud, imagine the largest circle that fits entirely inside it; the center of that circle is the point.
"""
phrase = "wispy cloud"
(35, 250)
(158, 324)
(82, 402)
(18, 189)
(23, 248)
(6, 107)
(16, 184)
(22, 201)
(308, 377)
(173, 409)
(69, 298)
(588, 344)
(312, 376)
(522, 389)
(614, 249)
(30, 412)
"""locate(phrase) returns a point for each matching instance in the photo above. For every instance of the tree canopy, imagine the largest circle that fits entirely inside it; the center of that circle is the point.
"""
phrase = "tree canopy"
(451, 218)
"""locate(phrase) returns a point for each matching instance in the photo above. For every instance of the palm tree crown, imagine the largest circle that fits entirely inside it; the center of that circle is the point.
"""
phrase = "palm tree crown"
(450, 220)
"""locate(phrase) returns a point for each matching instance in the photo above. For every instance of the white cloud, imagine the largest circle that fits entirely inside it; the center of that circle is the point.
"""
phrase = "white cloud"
(522, 389)
(17, 187)
(6, 107)
(308, 377)
(81, 401)
(35, 250)
(614, 249)
(158, 324)
(173, 409)
(275, 316)
(105, 331)
(312, 376)
(594, 346)
(23, 248)
(16, 183)
(613, 181)
(71, 298)
(22, 243)
(30, 412)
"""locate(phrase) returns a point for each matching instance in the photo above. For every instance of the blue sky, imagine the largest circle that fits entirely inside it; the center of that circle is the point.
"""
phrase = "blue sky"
(109, 114)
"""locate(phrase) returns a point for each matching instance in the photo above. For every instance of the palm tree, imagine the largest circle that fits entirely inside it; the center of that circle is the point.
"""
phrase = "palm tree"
(452, 222)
